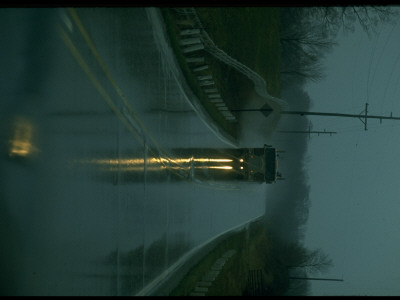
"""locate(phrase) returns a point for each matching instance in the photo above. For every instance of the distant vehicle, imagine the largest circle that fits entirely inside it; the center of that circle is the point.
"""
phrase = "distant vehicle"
(244, 164)
(259, 164)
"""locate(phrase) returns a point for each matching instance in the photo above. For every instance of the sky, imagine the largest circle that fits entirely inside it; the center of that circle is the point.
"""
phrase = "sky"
(354, 175)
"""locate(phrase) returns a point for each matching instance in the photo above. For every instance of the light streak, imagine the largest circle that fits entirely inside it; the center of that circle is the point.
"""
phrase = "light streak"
(136, 161)
(215, 167)
(212, 159)
(21, 142)
(154, 164)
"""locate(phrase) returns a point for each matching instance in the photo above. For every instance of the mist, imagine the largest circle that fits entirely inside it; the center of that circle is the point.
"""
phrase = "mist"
(288, 201)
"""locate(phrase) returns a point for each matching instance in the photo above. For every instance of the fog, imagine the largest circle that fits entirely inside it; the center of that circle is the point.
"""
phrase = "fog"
(288, 201)
(64, 208)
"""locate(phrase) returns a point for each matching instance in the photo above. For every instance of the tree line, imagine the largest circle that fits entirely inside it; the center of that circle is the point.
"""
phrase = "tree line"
(308, 34)
(289, 260)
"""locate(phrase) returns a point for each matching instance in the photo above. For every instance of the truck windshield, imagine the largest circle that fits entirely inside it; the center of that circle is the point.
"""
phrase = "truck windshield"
(270, 164)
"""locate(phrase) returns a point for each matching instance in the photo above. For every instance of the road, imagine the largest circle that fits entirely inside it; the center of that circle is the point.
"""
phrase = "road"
(94, 201)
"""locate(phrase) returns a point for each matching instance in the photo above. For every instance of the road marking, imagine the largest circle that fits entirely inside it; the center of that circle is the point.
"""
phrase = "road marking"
(67, 21)
(134, 115)
(95, 82)
(129, 117)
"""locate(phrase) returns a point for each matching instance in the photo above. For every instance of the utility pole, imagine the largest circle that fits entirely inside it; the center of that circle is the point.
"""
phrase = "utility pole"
(309, 131)
(363, 116)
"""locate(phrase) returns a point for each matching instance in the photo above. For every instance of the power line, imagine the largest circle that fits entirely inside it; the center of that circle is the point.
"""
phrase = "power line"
(309, 131)
(363, 116)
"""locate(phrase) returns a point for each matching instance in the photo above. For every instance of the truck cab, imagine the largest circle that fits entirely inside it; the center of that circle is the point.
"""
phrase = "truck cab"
(259, 164)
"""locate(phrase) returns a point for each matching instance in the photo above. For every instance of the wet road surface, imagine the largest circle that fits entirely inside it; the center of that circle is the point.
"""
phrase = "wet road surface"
(94, 200)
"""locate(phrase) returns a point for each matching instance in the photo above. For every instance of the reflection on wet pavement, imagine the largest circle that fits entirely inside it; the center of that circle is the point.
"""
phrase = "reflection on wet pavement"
(95, 200)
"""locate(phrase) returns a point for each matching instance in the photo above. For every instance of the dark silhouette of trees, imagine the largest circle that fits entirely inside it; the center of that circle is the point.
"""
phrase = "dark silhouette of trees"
(290, 260)
(303, 46)
(332, 19)
(295, 256)
(309, 33)
(314, 261)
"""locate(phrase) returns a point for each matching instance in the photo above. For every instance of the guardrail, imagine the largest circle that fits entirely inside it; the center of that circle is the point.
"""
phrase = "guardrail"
(201, 40)
(170, 278)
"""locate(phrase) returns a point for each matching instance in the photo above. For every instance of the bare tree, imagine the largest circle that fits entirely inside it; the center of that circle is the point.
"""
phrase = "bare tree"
(295, 257)
(309, 33)
(333, 18)
(303, 47)
(309, 36)
(316, 261)
(307, 67)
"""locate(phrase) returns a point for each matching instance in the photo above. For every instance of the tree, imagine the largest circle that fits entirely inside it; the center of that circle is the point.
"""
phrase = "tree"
(303, 47)
(307, 67)
(316, 261)
(309, 33)
(333, 18)
(295, 257)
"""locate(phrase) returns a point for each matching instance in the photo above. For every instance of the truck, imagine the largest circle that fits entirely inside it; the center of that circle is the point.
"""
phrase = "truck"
(259, 164)
(227, 164)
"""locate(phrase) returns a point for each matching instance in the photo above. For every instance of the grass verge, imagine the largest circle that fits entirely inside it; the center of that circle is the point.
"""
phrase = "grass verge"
(252, 247)
(251, 36)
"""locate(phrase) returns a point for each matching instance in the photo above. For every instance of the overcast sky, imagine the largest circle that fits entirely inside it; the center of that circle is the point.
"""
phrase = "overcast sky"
(354, 175)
